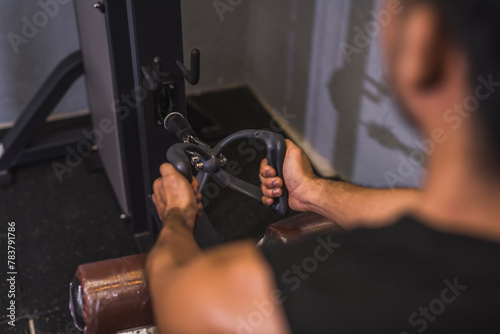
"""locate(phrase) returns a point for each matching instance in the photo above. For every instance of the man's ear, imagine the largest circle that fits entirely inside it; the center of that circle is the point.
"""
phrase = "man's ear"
(436, 50)
(423, 56)
(433, 64)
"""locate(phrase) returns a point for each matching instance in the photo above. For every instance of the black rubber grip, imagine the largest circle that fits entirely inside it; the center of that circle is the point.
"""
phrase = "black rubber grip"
(178, 126)
(276, 151)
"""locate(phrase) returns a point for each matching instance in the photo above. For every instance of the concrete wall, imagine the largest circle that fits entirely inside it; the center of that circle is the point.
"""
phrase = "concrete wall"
(32, 43)
(338, 108)
(222, 37)
(279, 55)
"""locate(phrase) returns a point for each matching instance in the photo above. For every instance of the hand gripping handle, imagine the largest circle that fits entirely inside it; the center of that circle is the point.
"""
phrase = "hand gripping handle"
(177, 156)
(276, 150)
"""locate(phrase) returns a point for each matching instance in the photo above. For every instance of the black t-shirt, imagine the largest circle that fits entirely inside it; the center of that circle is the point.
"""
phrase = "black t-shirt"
(403, 279)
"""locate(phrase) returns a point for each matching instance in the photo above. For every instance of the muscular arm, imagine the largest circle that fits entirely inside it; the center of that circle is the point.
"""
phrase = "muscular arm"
(353, 206)
(212, 292)
(349, 205)
(215, 292)
(175, 245)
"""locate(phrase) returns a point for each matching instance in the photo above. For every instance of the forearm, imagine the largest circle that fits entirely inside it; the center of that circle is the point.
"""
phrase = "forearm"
(353, 206)
(174, 247)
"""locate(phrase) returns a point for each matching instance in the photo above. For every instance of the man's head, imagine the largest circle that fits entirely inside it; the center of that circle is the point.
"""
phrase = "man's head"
(436, 52)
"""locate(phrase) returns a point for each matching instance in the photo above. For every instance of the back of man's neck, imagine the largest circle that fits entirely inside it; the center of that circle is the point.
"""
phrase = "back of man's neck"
(458, 198)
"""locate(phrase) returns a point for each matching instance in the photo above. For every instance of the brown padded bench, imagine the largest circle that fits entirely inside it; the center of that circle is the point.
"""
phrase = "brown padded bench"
(299, 228)
(112, 295)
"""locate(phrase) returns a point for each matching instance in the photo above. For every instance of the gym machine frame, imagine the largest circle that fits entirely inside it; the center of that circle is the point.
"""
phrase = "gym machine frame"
(138, 45)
